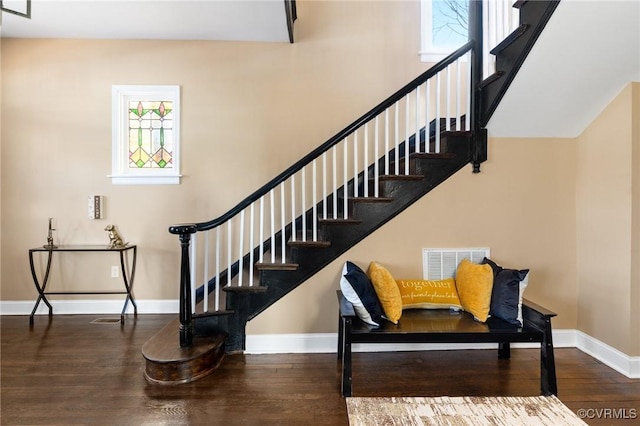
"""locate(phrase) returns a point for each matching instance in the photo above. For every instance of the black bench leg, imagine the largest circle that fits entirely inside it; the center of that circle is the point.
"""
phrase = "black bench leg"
(340, 336)
(346, 358)
(504, 350)
(548, 382)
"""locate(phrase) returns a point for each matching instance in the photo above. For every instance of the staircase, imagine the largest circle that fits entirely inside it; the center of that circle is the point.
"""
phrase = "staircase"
(236, 266)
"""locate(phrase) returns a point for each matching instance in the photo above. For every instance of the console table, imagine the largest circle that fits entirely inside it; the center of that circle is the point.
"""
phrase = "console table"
(41, 287)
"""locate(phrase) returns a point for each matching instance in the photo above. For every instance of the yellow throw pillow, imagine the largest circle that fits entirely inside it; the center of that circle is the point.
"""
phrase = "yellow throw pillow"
(387, 290)
(475, 283)
(429, 294)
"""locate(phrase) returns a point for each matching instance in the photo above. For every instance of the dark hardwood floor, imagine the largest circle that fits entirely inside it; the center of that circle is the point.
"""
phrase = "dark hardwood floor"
(70, 371)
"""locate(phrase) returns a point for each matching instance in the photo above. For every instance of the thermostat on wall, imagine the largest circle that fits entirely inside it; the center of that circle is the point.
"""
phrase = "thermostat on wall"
(95, 203)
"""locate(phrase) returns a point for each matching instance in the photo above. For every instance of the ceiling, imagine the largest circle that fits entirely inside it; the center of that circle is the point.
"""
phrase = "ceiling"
(234, 20)
(588, 52)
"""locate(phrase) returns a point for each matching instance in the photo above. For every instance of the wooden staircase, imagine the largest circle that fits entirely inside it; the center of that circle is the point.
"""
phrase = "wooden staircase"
(214, 334)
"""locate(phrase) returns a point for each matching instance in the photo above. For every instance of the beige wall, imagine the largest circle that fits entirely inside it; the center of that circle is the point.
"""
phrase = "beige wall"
(635, 222)
(521, 205)
(249, 110)
(607, 225)
(258, 108)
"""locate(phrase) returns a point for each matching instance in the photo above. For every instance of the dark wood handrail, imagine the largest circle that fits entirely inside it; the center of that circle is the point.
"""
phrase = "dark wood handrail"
(431, 72)
(292, 14)
(185, 230)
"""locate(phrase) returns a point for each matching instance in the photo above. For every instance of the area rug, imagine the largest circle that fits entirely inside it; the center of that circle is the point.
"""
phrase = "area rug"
(467, 410)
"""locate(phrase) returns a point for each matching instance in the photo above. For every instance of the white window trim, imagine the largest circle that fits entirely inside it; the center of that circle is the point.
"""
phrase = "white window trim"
(429, 53)
(121, 174)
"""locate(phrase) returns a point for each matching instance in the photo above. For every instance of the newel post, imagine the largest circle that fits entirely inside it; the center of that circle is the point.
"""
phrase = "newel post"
(479, 146)
(186, 321)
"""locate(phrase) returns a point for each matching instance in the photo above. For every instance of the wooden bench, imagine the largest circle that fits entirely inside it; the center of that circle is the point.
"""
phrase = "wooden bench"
(444, 326)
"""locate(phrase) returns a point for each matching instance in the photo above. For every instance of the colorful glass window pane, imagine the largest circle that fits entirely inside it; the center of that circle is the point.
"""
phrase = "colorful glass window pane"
(150, 134)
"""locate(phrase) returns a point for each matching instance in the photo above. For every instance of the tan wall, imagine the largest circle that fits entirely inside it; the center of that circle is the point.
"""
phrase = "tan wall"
(604, 223)
(521, 205)
(259, 107)
(635, 223)
(254, 107)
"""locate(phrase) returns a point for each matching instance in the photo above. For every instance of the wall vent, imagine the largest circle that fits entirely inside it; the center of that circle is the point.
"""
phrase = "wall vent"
(441, 263)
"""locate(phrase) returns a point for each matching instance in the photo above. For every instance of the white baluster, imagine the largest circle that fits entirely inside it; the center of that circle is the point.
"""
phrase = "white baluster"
(467, 121)
(386, 141)
(261, 236)
(303, 191)
(355, 164)
(486, 42)
(293, 208)
(406, 136)
(273, 226)
(345, 194)
(283, 234)
(229, 234)
(192, 261)
(314, 206)
(241, 249)
(376, 164)
(427, 119)
(217, 296)
(324, 185)
(251, 242)
(365, 174)
(397, 138)
(417, 115)
(447, 124)
(437, 118)
(335, 182)
(458, 94)
(206, 272)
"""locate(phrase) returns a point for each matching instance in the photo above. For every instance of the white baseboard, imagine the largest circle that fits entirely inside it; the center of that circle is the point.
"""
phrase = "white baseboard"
(84, 307)
(327, 342)
(608, 355)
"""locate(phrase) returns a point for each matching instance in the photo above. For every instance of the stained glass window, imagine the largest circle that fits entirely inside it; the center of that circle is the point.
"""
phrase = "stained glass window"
(146, 134)
(150, 134)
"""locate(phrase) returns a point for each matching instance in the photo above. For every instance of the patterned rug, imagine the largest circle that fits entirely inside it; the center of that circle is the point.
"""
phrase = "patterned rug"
(468, 410)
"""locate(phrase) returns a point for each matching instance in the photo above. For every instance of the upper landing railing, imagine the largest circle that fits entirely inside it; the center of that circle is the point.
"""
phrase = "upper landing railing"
(229, 250)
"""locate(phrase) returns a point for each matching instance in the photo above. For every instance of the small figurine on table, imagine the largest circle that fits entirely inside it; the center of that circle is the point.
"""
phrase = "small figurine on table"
(50, 244)
(115, 239)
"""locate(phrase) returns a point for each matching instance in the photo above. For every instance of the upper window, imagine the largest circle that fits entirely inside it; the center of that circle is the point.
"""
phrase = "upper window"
(444, 27)
(146, 137)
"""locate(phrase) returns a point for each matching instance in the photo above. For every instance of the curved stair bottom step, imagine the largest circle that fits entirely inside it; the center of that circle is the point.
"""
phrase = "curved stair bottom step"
(166, 363)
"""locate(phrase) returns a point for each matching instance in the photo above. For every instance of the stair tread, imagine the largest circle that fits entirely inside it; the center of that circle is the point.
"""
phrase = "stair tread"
(245, 289)
(519, 3)
(493, 77)
(165, 347)
(522, 28)
(340, 221)
(401, 177)
(371, 199)
(309, 243)
(276, 266)
(214, 313)
(423, 155)
(168, 363)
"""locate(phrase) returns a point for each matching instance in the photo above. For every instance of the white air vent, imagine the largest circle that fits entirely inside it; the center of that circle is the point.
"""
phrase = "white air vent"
(441, 263)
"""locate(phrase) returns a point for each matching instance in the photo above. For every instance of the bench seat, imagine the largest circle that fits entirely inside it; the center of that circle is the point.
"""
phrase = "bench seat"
(444, 326)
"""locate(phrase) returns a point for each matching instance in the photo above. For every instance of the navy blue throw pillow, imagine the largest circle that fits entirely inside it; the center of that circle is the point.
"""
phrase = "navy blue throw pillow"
(357, 289)
(505, 296)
